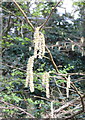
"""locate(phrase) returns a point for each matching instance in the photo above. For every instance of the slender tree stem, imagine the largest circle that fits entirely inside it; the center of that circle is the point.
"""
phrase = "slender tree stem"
(50, 14)
(51, 59)
(28, 21)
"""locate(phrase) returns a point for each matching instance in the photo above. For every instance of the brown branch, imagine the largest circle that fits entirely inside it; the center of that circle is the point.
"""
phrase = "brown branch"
(14, 67)
(82, 101)
(11, 13)
(8, 26)
(68, 115)
(42, 98)
(78, 80)
(70, 74)
(28, 21)
(50, 14)
(75, 88)
(13, 106)
(51, 59)
(64, 88)
(71, 35)
(73, 115)
(75, 43)
(68, 104)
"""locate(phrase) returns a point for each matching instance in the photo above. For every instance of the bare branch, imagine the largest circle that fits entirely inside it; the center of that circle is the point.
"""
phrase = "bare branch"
(82, 101)
(75, 43)
(51, 59)
(14, 67)
(8, 26)
(73, 114)
(23, 14)
(70, 74)
(13, 106)
(11, 13)
(68, 104)
(50, 14)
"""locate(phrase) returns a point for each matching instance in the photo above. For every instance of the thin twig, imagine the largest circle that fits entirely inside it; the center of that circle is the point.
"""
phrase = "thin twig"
(73, 115)
(51, 59)
(82, 101)
(8, 26)
(76, 43)
(50, 14)
(13, 106)
(42, 98)
(68, 104)
(64, 88)
(75, 88)
(11, 13)
(14, 67)
(70, 74)
(28, 21)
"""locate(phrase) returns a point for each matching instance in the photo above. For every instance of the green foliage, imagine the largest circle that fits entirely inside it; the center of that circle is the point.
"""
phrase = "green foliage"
(66, 69)
(17, 73)
(13, 98)
(60, 81)
(80, 2)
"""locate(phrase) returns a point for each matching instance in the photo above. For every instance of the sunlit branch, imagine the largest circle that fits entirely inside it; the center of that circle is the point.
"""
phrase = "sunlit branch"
(23, 14)
(50, 14)
(51, 58)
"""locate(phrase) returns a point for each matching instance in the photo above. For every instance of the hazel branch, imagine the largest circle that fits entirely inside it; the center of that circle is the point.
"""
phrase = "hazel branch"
(50, 14)
(28, 21)
(13, 106)
(51, 59)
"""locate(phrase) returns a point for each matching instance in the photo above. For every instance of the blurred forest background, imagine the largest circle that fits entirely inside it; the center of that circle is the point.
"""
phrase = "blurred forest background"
(65, 41)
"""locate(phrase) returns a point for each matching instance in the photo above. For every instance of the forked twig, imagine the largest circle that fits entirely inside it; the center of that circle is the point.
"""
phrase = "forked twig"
(28, 21)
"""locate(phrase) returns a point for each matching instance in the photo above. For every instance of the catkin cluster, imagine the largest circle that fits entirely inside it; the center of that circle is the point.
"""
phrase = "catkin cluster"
(45, 81)
(39, 43)
(39, 50)
(68, 85)
(29, 78)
